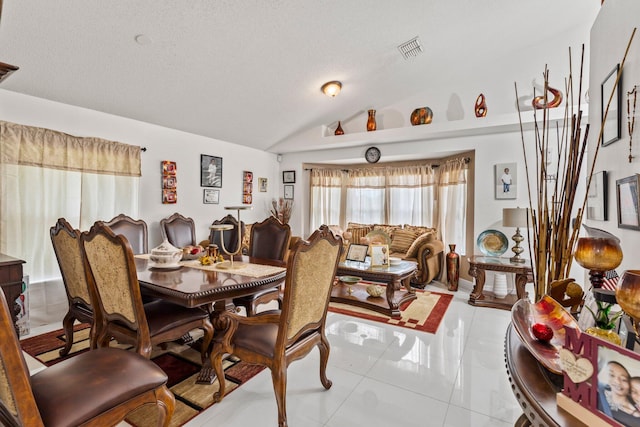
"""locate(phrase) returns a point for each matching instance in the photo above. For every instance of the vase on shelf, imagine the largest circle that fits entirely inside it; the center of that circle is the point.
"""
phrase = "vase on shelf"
(339, 130)
(371, 121)
(453, 268)
(481, 106)
(421, 116)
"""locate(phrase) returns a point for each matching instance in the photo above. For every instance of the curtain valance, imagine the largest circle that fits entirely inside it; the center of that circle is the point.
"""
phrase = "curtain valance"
(33, 146)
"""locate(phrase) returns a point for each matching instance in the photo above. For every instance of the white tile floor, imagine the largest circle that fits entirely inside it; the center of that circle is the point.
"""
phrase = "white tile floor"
(382, 375)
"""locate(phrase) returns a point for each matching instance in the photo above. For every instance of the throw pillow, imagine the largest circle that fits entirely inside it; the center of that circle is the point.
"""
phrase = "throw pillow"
(427, 237)
(402, 240)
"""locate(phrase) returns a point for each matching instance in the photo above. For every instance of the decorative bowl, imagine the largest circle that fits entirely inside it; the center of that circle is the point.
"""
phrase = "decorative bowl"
(192, 252)
(375, 290)
(349, 280)
(394, 260)
(165, 254)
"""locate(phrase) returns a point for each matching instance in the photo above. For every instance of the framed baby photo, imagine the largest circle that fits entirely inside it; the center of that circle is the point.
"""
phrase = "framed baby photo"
(505, 184)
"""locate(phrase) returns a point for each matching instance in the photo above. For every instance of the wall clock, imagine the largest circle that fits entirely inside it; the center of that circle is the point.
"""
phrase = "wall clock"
(372, 155)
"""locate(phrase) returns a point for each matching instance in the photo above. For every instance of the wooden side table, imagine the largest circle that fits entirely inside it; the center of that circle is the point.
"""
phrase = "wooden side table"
(477, 267)
(11, 283)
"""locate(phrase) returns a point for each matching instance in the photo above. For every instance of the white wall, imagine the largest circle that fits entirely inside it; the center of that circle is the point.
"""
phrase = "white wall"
(162, 144)
(609, 37)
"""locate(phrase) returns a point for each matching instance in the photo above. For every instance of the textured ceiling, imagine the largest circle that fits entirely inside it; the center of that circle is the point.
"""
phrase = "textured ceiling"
(250, 71)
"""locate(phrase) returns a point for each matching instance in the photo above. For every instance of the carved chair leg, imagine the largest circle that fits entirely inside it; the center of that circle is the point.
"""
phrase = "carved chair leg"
(207, 327)
(67, 324)
(279, 378)
(166, 403)
(324, 348)
(216, 363)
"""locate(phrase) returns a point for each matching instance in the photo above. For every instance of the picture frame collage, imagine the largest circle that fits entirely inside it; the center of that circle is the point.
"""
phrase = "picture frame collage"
(169, 182)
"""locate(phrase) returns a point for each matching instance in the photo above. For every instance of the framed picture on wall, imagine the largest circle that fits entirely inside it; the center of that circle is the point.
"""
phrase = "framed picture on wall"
(611, 131)
(505, 182)
(210, 171)
(597, 197)
(211, 196)
(289, 177)
(627, 201)
(288, 192)
(262, 184)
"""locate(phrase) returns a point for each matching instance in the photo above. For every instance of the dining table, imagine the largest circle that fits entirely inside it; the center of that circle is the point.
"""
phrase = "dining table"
(211, 287)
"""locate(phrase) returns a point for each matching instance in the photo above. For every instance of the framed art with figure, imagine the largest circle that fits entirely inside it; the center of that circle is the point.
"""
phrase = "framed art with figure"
(627, 200)
(210, 171)
(505, 183)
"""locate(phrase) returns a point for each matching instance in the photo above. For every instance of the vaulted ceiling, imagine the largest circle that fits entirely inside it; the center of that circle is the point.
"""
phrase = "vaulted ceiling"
(250, 71)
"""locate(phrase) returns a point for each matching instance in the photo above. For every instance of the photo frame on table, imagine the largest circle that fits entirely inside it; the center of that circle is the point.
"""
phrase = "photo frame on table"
(612, 127)
(289, 177)
(211, 196)
(588, 363)
(506, 185)
(210, 171)
(357, 252)
(379, 255)
(598, 197)
(288, 192)
(627, 201)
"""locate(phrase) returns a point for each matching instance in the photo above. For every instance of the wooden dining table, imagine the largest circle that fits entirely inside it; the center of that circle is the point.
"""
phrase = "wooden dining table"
(191, 286)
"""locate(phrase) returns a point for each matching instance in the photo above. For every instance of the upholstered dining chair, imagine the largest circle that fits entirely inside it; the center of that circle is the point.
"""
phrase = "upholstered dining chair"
(118, 308)
(277, 338)
(269, 239)
(94, 388)
(230, 236)
(68, 250)
(179, 230)
(135, 230)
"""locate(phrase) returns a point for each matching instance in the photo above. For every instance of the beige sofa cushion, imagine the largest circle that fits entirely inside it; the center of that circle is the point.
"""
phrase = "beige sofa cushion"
(427, 237)
(402, 240)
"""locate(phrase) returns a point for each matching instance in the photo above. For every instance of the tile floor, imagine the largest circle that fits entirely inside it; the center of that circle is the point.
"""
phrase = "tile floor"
(382, 375)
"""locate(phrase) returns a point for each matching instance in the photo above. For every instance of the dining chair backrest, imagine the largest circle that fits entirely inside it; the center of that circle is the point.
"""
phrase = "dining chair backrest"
(113, 278)
(269, 239)
(135, 230)
(230, 236)
(311, 270)
(68, 249)
(178, 230)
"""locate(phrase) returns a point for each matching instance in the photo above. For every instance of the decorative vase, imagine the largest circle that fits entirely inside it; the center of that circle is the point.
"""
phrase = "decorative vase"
(500, 286)
(605, 334)
(421, 116)
(453, 268)
(371, 121)
(339, 130)
(481, 106)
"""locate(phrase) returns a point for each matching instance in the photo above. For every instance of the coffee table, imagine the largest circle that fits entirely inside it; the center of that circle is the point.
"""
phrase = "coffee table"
(396, 278)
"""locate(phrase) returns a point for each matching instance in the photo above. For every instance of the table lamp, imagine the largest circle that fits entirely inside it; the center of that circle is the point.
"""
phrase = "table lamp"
(516, 217)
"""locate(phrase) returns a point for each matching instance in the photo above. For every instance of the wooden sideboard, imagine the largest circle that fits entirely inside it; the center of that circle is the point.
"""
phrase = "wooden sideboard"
(11, 282)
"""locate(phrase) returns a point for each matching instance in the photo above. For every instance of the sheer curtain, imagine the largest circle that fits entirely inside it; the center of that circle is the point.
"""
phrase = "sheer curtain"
(46, 175)
(326, 197)
(452, 203)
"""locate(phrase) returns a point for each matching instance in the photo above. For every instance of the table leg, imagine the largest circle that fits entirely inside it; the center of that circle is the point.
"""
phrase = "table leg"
(521, 282)
(479, 275)
(207, 374)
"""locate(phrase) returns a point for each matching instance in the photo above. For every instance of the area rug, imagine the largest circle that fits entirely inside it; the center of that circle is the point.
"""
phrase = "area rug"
(181, 363)
(422, 314)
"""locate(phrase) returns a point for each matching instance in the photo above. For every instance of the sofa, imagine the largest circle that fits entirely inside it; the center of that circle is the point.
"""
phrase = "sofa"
(409, 242)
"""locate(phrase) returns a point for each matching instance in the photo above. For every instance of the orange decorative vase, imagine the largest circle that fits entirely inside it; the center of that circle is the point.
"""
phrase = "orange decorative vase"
(421, 116)
(453, 268)
(628, 294)
(371, 121)
(339, 130)
(481, 106)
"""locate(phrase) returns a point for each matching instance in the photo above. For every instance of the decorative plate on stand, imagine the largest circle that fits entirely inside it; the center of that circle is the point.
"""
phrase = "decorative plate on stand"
(492, 242)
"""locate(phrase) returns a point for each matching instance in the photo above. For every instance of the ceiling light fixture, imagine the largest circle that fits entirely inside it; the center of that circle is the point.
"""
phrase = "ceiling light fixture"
(331, 88)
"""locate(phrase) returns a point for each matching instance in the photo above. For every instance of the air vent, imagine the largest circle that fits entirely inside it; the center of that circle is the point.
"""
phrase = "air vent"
(6, 70)
(411, 49)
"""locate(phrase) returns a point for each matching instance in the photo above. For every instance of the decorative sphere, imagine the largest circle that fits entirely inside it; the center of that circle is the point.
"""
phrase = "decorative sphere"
(375, 290)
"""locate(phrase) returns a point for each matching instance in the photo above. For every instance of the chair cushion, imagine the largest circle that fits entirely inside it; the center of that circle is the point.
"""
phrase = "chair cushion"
(84, 386)
(259, 339)
(163, 316)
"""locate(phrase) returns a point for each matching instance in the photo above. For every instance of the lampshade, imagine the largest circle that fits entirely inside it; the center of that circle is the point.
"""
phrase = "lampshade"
(515, 217)
(331, 88)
